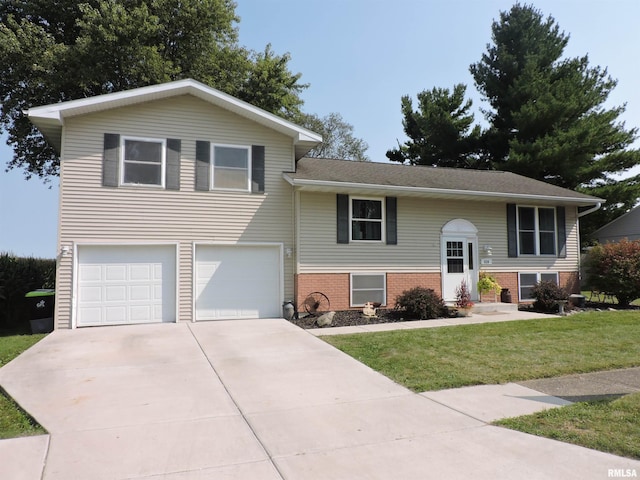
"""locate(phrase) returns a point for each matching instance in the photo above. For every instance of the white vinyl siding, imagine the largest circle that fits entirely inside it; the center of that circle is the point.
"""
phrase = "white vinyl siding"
(90, 212)
(526, 282)
(420, 222)
(368, 287)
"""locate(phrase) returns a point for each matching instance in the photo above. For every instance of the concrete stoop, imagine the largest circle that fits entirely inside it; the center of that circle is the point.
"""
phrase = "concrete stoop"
(490, 307)
(487, 307)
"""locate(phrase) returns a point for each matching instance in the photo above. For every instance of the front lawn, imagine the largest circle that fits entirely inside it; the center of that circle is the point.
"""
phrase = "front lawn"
(492, 353)
(13, 421)
(605, 425)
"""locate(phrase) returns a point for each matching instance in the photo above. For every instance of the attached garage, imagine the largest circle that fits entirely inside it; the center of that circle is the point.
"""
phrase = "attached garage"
(238, 281)
(125, 284)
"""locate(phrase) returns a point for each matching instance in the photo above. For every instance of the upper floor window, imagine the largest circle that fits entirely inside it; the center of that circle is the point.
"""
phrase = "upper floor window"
(366, 219)
(231, 168)
(536, 231)
(143, 162)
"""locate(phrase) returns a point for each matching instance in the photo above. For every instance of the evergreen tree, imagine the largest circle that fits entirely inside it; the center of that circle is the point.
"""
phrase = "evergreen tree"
(440, 131)
(547, 118)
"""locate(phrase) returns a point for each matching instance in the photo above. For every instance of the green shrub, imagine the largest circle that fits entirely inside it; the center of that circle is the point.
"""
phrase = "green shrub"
(17, 277)
(614, 268)
(547, 295)
(421, 303)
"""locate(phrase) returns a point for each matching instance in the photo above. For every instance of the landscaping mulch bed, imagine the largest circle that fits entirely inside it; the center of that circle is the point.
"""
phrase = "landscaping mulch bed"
(347, 318)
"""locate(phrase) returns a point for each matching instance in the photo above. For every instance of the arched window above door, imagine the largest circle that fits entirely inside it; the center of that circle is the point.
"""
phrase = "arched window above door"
(460, 226)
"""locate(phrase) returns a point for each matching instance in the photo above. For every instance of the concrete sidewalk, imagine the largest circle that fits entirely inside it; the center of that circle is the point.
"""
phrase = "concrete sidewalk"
(258, 399)
(489, 317)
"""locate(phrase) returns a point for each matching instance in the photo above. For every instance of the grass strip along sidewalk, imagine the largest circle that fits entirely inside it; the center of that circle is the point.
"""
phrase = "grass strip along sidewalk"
(14, 422)
(494, 353)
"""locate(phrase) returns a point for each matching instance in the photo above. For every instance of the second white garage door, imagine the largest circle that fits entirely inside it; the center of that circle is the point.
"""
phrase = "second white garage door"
(238, 281)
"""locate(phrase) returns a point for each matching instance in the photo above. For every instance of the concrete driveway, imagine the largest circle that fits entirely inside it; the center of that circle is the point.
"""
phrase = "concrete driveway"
(255, 399)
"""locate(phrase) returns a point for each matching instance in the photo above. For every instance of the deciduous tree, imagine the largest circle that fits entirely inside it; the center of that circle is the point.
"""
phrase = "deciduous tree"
(337, 138)
(57, 50)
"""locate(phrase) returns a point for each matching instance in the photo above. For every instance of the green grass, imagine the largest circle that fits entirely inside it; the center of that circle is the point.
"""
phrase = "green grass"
(13, 345)
(493, 353)
(608, 426)
(14, 422)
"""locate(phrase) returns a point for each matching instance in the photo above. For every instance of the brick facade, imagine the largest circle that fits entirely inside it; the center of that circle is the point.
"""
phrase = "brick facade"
(336, 286)
(399, 282)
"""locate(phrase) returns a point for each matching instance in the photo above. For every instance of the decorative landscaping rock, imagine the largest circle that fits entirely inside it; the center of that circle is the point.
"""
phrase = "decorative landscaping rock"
(325, 320)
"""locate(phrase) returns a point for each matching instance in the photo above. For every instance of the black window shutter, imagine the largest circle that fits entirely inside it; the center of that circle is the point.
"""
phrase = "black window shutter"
(343, 218)
(111, 160)
(172, 181)
(562, 232)
(512, 232)
(257, 169)
(392, 222)
(203, 164)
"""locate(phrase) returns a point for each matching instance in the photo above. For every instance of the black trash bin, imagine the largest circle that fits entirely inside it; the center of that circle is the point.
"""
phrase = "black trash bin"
(41, 303)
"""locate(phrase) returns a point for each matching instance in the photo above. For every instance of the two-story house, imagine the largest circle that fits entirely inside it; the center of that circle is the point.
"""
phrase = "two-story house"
(181, 203)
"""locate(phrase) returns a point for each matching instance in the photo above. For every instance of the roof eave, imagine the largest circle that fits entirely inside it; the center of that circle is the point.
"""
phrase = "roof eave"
(349, 187)
(48, 116)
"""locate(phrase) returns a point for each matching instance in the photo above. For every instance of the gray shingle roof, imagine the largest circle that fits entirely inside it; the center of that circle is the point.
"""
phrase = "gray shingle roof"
(443, 181)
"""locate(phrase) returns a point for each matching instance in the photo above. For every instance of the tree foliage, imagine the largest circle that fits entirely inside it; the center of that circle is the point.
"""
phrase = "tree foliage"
(58, 50)
(547, 117)
(337, 138)
(440, 131)
(614, 268)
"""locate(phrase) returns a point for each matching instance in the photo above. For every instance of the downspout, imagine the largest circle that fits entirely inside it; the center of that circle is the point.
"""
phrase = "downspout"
(595, 208)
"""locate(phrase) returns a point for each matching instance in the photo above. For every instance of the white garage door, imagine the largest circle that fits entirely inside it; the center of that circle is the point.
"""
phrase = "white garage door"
(126, 284)
(237, 281)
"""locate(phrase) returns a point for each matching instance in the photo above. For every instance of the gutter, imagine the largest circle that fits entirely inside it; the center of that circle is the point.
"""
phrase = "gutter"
(438, 191)
(591, 210)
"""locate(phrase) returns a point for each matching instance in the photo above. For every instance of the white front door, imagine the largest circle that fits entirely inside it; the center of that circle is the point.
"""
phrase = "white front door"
(458, 265)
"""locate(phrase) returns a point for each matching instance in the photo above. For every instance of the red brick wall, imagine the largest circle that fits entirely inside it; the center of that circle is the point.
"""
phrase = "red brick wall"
(505, 280)
(399, 282)
(570, 281)
(336, 286)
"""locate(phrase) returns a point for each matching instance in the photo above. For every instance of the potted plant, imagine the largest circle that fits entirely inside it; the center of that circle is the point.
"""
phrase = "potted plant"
(463, 299)
(486, 284)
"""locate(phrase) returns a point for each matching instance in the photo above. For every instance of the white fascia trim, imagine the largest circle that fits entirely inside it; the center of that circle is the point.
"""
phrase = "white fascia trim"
(439, 191)
(57, 112)
(591, 210)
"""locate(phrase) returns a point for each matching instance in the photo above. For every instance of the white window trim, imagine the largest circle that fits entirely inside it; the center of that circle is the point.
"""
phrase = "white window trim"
(212, 163)
(382, 219)
(538, 277)
(537, 232)
(384, 292)
(163, 171)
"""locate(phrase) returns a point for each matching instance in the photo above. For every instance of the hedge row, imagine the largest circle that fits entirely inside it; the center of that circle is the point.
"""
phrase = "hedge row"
(18, 276)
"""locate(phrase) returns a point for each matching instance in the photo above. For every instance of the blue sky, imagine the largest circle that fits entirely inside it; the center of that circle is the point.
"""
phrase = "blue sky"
(360, 57)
